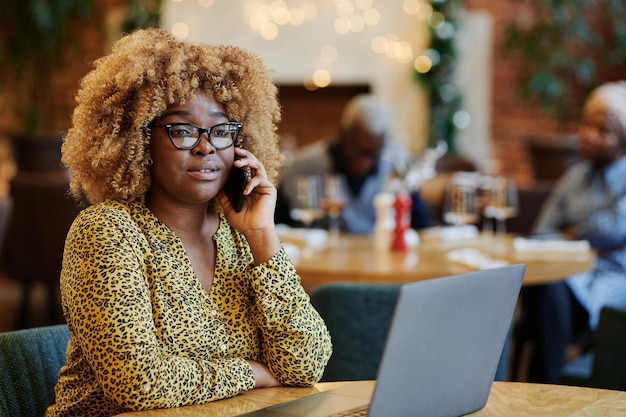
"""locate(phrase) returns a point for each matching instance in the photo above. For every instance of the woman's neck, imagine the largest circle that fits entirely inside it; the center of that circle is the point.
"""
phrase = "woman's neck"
(186, 220)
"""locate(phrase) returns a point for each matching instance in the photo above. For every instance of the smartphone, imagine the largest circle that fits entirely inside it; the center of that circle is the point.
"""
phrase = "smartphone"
(235, 185)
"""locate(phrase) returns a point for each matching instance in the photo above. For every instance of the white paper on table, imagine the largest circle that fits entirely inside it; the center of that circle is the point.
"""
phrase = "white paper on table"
(451, 233)
(292, 251)
(475, 259)
(551, 245)
(314, 238)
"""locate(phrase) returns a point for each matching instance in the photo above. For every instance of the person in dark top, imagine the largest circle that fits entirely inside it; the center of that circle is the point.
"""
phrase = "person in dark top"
(365, 155)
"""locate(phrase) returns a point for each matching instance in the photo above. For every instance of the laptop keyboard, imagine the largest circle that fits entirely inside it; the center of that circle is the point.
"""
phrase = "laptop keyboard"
(355, 412)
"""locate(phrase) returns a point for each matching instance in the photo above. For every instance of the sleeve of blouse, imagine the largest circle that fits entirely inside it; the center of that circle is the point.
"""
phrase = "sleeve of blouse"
(106, 296)
(606, 226)
(296, 341)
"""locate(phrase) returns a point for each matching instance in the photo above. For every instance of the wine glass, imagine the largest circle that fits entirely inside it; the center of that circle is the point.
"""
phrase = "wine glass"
(484, 195)
(307, 207)
(503, 202)
(460, 203)
(333, 202)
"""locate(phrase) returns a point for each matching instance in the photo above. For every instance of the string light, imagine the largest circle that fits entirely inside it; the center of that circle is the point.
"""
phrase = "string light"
(355, 16)
(267, 18)
(321, 78)
(180, 30)
(271, 19)
(393, 48)
(411, 7)
(436, 20)
(423, 64)
(432, 70)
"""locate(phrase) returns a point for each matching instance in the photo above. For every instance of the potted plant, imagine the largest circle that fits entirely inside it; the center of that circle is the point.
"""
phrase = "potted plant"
(437, 77)
(142, 14)
(36, 42)
(565, 48)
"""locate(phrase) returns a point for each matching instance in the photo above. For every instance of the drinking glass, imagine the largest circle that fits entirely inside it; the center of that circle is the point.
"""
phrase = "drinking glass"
(460, 203)
(484, 195)
(502, 203)
(307, 207)
(333, 202)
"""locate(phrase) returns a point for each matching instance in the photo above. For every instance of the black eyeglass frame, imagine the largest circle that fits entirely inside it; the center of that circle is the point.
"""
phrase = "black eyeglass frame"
(201, 131)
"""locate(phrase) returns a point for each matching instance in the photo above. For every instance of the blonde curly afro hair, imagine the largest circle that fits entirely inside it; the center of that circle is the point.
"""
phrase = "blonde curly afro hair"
(107, 149)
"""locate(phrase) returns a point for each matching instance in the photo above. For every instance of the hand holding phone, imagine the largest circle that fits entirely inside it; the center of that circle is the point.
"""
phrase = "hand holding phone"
(235, 185)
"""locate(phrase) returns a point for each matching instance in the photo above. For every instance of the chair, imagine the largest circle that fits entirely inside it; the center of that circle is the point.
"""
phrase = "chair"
(30, 360)
(32, 252)
(605, 366)
(358, 318)
(531, 201)
(6, 208)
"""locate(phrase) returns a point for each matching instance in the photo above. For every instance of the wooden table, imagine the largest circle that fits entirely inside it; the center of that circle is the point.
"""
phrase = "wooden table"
(356, 259)
(507, 399)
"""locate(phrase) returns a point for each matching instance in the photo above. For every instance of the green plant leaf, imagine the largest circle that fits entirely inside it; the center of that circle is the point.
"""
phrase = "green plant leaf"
(568, 49)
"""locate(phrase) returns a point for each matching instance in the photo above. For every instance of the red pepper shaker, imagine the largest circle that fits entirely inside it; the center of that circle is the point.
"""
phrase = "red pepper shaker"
(402, 206)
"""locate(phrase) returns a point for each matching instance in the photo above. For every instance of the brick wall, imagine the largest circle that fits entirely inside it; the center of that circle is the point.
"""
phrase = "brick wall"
(63, 87)
(90, 44)
(512, 120)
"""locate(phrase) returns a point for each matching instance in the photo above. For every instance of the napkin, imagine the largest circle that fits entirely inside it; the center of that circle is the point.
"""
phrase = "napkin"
(292, 251)
(313, 238)
(551, 245)
(475, 259)
(450, 233)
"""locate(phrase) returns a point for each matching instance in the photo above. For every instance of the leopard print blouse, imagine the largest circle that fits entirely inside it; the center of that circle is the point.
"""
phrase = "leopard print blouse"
(144, 333)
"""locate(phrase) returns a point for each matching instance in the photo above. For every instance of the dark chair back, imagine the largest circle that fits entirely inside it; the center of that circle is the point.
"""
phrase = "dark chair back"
(41, 216)
(32, 251)
(531, 201)
(605, 366)
(30, 360)
(358, 318)
(609, 364)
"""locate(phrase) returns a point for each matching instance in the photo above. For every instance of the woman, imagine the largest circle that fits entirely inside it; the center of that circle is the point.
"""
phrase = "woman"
(171, 296)
(588, 202)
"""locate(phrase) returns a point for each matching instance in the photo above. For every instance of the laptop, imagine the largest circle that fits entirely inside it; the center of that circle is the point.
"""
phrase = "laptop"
(441, 353)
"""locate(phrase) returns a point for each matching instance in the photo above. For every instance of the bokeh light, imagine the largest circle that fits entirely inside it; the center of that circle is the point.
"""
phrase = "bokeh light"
(422, 64)
(462, 119)
(321, 78)
(180, 30)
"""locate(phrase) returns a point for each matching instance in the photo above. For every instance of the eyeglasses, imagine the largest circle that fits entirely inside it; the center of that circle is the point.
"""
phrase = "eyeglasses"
(186, 136)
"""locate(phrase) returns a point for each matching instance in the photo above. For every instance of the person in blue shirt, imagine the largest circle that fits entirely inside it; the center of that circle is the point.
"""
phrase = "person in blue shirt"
(365, 154)
(588, 202)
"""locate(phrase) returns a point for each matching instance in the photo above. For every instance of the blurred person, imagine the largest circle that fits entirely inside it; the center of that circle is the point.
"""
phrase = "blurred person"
(365, 154)
(171, 296)
(587, 203)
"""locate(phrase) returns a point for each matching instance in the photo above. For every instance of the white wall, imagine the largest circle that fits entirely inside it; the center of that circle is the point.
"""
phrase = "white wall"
(473, 78)
(295, 53)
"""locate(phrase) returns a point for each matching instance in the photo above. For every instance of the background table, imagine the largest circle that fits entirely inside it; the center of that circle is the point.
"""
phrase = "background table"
(356, 259)
(507, 399)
